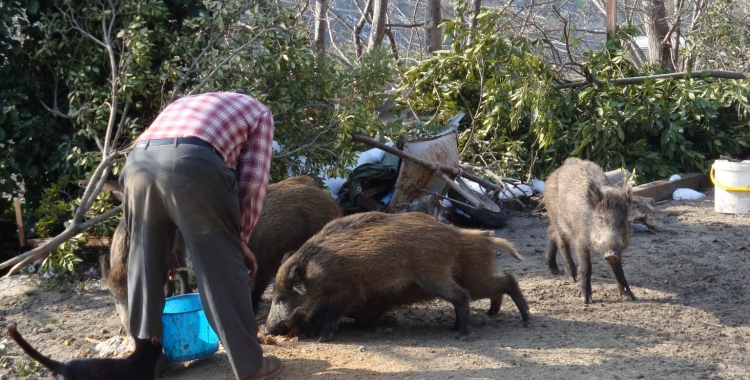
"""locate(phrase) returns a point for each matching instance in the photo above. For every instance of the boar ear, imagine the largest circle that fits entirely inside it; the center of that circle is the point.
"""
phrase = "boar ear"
(104, 262)
(629, 192)
(300, 288)
(593, 194)
(286, 256)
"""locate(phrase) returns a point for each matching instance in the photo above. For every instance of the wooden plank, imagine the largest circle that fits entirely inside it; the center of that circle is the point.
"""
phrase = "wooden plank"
(94, 242)
(663, 189)
(19, 221)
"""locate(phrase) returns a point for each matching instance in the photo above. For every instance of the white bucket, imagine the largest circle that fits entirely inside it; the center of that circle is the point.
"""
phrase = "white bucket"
(732, 181)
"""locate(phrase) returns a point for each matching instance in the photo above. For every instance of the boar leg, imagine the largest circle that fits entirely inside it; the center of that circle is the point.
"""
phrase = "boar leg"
(622, 283)
(459, 298)
(260, 283)
(328, 320)
(507, 284)
(565, 252)
(314, 326)
(502, 285)
(169, 288)
(584, 260)
(184, 278)
(551, 256)
(556, 242)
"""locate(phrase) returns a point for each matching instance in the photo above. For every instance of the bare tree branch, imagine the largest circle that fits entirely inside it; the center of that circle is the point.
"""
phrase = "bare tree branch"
(681, 75)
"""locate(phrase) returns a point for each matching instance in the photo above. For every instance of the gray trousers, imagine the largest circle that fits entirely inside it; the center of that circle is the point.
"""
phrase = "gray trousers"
(190, 188)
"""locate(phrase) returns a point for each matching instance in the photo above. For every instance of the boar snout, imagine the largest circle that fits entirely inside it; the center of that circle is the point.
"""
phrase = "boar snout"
(612, 257)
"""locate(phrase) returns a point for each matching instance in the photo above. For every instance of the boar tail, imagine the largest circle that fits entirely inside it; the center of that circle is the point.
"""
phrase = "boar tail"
(506, 246)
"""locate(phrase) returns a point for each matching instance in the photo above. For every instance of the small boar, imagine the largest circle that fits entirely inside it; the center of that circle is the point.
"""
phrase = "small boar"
(588, 214)
(362, 265)
(294, 210)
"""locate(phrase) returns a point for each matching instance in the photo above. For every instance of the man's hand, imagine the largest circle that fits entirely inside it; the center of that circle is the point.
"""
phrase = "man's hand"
(253, 267)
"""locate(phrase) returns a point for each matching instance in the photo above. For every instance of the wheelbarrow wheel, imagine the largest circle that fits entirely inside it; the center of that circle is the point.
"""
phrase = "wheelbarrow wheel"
(484, 216)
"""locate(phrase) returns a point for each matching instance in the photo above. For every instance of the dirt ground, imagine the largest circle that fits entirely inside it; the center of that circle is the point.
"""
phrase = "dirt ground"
(691, 320)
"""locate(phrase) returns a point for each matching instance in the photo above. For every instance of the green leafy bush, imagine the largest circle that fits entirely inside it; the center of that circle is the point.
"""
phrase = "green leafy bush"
(523, 122)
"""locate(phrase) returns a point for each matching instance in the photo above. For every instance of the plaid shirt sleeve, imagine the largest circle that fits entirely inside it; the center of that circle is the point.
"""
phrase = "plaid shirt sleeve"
(253, 167)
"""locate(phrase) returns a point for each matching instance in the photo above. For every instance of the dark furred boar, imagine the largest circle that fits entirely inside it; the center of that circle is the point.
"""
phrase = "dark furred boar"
(294, 210)
(362, 265)
(588, 214)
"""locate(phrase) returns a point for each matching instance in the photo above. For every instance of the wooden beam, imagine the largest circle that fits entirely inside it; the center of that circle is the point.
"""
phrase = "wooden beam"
(19, 222)
(663, 189)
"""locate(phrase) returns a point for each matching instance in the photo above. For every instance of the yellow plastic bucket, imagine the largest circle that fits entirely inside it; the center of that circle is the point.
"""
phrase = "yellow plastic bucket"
(732, 181)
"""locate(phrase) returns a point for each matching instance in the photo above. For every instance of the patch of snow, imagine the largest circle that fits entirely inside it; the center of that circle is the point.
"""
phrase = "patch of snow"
(515, 191)
(372, 156)
(537, 185)
(687, 195)
(675, 177)
(334, 185)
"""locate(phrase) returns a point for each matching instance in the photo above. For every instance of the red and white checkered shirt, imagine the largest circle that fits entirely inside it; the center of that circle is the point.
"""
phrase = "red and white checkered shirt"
(239, 127)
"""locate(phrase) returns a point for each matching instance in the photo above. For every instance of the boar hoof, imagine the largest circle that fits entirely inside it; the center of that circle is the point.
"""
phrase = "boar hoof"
(466, 338)
(612, 258)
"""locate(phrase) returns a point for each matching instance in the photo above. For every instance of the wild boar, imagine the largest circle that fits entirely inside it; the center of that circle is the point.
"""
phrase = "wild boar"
(587, 214)
(362, 265)
(294, 210)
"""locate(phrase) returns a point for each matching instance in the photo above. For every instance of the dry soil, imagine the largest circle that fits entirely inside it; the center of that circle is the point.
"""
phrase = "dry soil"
(691, 320)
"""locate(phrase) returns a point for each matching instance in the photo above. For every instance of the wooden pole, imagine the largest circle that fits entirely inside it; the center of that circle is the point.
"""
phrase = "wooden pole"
(19, 222)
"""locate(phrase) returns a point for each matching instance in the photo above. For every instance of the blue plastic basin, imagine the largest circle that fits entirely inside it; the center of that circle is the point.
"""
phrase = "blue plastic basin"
(187, 334)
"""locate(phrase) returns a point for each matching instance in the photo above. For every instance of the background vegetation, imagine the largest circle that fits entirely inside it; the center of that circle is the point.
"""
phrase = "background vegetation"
(79, 79)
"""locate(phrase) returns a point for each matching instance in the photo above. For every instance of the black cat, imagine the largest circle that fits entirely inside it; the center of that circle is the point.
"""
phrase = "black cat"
(140, 365)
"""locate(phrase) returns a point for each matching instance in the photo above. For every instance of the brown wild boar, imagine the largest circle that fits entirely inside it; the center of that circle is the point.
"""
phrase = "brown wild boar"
(361, 265)
(588, 214)
(294, 210)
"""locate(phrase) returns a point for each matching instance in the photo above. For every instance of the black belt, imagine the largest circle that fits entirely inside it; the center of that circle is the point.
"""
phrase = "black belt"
(177, 141)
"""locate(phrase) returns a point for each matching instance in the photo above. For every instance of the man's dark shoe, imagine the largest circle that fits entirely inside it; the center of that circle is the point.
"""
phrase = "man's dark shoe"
(271, 366)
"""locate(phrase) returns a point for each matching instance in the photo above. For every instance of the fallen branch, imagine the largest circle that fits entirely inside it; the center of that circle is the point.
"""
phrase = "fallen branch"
(73, 229)
(681, 75)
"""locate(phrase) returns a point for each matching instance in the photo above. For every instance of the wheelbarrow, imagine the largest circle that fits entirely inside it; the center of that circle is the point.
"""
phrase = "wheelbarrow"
(430, 166)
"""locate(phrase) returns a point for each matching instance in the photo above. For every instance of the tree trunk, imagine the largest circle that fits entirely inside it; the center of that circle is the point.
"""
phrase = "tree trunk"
(392, 41)
(475, 13)
(358, 29)
(432, 35)
(321, 25)
(699, 9)
(657, 27)
(377, 33)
